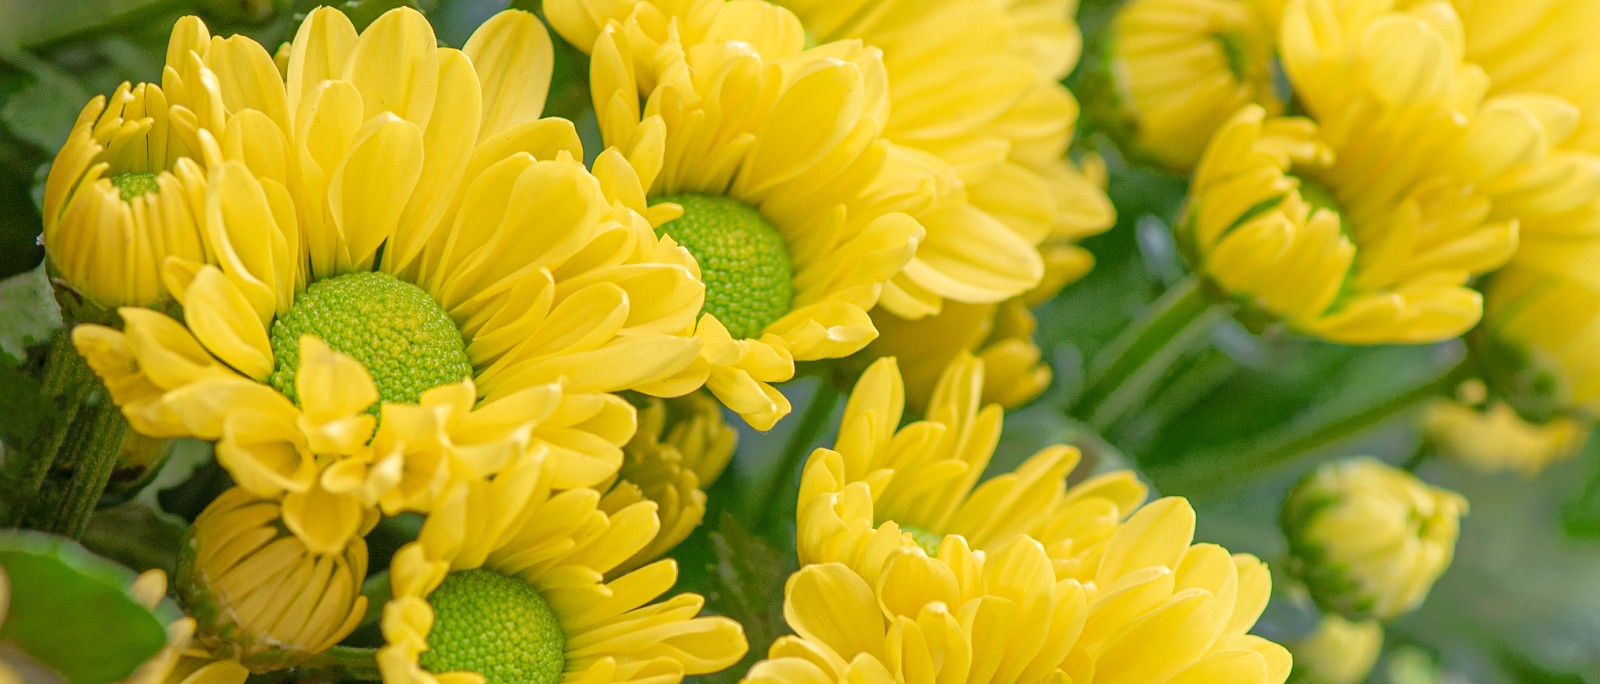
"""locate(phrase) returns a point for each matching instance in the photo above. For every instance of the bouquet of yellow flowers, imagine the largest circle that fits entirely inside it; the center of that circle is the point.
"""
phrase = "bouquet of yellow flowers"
(799, 341)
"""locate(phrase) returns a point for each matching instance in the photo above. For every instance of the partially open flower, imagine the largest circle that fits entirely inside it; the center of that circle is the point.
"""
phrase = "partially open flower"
(1338, 652)
(258, 594)
(1369, 540)
(126, 191)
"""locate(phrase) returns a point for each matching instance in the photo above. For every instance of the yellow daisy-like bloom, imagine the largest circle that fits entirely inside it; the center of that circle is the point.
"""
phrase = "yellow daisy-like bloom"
(1004, 135)
(885, 493)
(764, 160)
(1492, 437)
(397, 238)
(1369, 540)
(681, 448)
(1541, 325)
(1283, 216)
(1338, 651)
(1008, 615)
(259, 594)
(125, 192)
(1182, 68)
(506, 585)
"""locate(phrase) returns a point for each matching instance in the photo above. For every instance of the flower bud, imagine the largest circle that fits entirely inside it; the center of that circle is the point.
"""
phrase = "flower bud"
(258, 593)
(1337, 652)
(1369, 540)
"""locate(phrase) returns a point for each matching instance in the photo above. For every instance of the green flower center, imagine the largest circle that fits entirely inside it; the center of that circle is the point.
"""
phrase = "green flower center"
(1318, 196)
(134, 184)
(405, 340)
(742, 258)
(927, 540)
(496, 626)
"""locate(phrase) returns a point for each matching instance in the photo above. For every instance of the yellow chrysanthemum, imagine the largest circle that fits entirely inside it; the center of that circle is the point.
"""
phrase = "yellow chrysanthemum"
(885, 493)
(1155, 613)
(259, 594)
(1004, 134)
(1278, 220)
(127, 191)
(681, 448)
(1541, 326)
(1338, 651)
(396, 238)
(1369, 540)
(1182, 68)
(1001, 141)
(764, 160)
(506, 585)
(1492, 437)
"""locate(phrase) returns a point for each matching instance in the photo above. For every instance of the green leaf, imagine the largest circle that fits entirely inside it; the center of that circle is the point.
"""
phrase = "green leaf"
(28, 312)
(135, 535)
(67, 603)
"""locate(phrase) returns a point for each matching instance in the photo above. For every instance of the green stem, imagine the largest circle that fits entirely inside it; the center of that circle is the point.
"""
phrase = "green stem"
(1124, 372)
(1207, 472)
(89, 457)
(815, 420)
(66, 383)
(346, 662)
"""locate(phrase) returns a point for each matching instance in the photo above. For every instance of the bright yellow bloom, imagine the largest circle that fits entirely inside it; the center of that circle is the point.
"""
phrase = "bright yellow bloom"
(681, 447)
(1371, 257)
(887, 500)
(764, 160)
(125, 192)
(506, 584)
(1338, 652)
(259, 594)
(1538, 46)
(1369, 540)
(1004, 134)
(1493, 438)
(396, 239)
(1158, 610)
(1541, 325)
(1182, 68)
(999, 334)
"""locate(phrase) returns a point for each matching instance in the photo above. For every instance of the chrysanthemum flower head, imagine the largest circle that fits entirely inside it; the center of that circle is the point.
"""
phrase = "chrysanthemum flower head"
(1181, 68)
(396, 241)
(507, 584)
(764, 160)
(125, 192)
(887, 499)
(260, 595)
(1296, 219)
(1369, 540)
(681, 448)
(1008, 614)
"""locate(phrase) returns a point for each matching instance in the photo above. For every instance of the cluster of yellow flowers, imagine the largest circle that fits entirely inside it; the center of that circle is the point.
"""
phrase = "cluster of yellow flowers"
(372, 273)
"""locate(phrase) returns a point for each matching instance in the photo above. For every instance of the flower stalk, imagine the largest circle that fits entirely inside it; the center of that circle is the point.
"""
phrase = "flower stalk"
(1124, 372)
